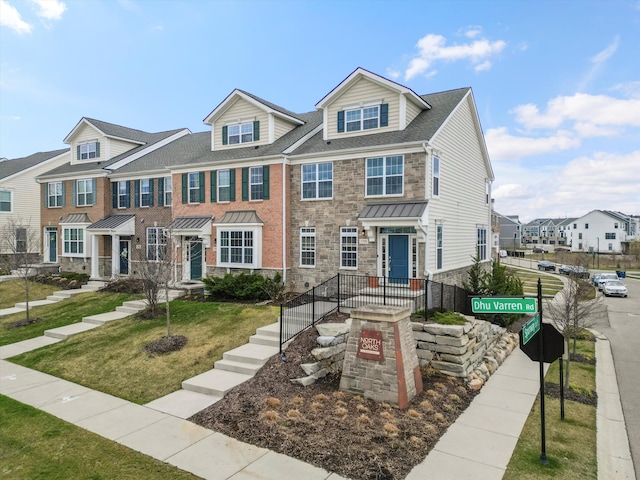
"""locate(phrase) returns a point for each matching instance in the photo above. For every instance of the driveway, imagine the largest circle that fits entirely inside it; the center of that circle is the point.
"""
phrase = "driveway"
(622, 327)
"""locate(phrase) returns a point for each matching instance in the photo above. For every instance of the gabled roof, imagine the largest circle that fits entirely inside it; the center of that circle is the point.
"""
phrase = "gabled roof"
(11, 167)
(257, 101)
(359, 73)
(110, 130)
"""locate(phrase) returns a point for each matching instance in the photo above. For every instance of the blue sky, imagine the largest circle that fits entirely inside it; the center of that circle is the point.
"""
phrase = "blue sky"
(557, 83)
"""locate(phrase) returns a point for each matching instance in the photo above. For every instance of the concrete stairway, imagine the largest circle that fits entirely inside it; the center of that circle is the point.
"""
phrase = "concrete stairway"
(237, 366)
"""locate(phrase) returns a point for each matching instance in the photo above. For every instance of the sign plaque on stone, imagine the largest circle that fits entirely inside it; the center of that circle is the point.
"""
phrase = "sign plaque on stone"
(370, 345)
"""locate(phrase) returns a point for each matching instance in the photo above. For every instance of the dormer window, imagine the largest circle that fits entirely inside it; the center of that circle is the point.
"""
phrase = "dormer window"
(238, 133)
(87, 151)
(365, 118)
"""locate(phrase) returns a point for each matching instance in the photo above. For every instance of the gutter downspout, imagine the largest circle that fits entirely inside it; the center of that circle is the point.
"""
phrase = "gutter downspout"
(284, 220)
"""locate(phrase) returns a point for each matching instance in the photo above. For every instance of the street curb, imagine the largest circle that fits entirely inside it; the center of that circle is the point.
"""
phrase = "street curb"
(613, 451)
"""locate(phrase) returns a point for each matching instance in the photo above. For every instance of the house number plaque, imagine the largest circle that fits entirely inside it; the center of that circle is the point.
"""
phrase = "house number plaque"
(370, 345)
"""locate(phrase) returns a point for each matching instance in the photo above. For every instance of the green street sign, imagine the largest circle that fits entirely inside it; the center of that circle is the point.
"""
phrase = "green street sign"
(530, 328)
(503, 305)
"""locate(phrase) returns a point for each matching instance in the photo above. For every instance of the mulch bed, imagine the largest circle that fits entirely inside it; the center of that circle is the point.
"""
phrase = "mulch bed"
(25, 322)
(166, 345)
(340, 432)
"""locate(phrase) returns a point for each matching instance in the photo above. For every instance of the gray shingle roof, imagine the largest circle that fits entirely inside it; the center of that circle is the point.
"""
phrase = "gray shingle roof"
(11, 167)
(110, 222)
(409, 209)
(239, 216)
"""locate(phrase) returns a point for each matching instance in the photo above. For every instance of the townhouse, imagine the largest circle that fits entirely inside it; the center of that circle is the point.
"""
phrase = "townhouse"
(603, 231)
(377, 181)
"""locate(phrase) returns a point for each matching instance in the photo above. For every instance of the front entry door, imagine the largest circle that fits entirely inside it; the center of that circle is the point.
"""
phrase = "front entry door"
(53, 246)
(398, 258)
(125, 248)
(195, 263)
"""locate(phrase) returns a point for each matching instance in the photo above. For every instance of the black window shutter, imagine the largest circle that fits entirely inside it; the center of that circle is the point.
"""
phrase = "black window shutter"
(161, 192)
(127, 192)
(151, 192)
(245, 184)
(384, 115)
(212, 176)
(114, 194)
(136, 193)
(184, 188)
(232, 185)
(265, 182)
(341, 121)
(202, 189)
(256, 130)
(225, 138)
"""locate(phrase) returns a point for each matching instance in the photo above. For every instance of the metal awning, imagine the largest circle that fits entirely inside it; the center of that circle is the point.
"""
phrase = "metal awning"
(191, 226)
(76, 218)
(411, 213)
(240, 217)
(114, 225)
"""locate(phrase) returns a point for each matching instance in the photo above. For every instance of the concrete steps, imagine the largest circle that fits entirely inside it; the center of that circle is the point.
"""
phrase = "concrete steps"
(215, 382)
(67, 331)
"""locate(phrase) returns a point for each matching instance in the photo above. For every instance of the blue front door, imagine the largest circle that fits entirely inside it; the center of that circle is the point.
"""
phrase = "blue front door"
(196, 260)
(53, 246)
(398, 259)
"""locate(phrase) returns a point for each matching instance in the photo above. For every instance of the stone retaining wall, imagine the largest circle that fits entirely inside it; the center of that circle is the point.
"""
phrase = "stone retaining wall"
(473, 351)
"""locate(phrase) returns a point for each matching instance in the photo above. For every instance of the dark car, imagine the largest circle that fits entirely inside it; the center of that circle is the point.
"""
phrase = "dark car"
(575, 271)
(546, 266)
(540, 250)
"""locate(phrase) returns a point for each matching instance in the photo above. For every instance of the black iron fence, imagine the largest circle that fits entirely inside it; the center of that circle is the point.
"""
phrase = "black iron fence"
(346, 292)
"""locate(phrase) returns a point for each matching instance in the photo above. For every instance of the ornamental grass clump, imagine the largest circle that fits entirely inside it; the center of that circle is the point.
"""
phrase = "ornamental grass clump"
(390, 429)
(273, 402)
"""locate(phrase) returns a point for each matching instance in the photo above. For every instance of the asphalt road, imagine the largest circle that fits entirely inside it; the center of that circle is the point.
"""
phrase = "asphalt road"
(622, 327)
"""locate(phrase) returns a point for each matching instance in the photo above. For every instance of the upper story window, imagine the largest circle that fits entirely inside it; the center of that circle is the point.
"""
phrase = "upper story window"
(255, 183)
(87, 151)
(123, 195)
(193, 187)
(317, 180)
(224, 185)
(5, 201)
(55, 194)
(146, 192)
(615, 225)
(239, 133)
(166, 191)
(364, 118)
(85, 192)
(610, 236)
(385, 176)
(586, 225)
(436, 176)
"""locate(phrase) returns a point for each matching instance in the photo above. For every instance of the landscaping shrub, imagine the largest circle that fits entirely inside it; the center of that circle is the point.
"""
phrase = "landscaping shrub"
(124, 285)
(245, 287)
(66, 281)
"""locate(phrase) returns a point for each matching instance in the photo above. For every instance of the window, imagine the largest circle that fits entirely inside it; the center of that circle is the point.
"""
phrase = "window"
(586, 226)
(438, 247)
(610, 236)
(317, 180)
(255, 183)
(85, 193)
(580, 236)
(123, 195)
(486, 193)
(156, 244)
(194, 187)
(241, 133)
(236, 247)
(73, 241)
(146, 192)
(5, 201)
(436, 176)
(89, 150)
(55, 196)
(21, 240)
(385, 176)
(610, 247)
(575, 225)
(224, 186)
(166, 191)
(363, 118)
(308, 247)
(349, 247)
(482, 243)
(615, 225)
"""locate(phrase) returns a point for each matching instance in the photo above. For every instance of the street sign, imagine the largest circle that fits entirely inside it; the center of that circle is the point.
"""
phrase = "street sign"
(530, 329)
(503, 305)
(553, 344)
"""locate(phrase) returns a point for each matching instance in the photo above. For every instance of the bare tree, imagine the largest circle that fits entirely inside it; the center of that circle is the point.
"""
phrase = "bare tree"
(156, 262)
(20, 247)
(574, 309)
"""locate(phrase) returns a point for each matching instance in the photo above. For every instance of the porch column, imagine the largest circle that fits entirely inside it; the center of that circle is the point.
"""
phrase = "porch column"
(95, 254)
(115, 255)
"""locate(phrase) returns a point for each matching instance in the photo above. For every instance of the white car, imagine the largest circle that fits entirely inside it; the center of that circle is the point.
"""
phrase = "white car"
(614, 288)
(606, 277)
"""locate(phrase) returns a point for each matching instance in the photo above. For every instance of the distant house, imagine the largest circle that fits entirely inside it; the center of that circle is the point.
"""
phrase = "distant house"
(510, 231)
(603, 231)
(20, 199)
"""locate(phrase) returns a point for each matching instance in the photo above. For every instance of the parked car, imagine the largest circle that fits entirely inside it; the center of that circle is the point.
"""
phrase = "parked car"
(606, 277)
(546, 265)
(561, 249)
(540, 250)
(595, 278)
(614, 288)
(573, 270)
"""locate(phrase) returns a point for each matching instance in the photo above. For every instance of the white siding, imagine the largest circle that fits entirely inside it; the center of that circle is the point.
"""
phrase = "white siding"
(461, 205)
(115, 148)
(281, 128)
(241, 110)
(26, 198)
(363, 91)
(594, 237)
(412, 112)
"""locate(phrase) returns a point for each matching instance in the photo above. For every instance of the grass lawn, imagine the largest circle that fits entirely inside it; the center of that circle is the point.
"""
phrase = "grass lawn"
(12, 292)
(112, 359)
(570, 444)
(550, 283)
(36, 445)
(66, 312)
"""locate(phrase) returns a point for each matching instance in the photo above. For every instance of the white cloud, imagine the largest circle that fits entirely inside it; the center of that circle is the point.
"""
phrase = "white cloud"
(432, 48)
(481, 67)
(11, 18)
(50, 9)
(630, 89)
(504, 146)
(472, 31)
(597, 62)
